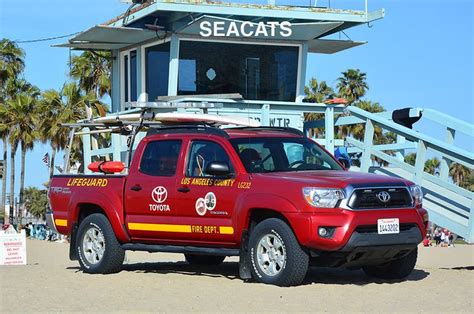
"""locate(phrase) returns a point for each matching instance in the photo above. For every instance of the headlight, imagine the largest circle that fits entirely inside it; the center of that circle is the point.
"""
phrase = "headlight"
(323, 198)
(416, 194)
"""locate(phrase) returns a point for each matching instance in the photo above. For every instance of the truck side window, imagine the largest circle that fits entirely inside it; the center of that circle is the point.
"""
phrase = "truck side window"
(201, 154)
(160, 158)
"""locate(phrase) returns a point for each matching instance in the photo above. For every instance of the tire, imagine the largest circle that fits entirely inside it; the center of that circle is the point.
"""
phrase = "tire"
(275, 255)
(397, 269)
(98, 250)
(194, 259)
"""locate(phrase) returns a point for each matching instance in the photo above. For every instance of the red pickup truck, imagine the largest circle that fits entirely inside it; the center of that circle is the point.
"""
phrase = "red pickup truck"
(269, 195)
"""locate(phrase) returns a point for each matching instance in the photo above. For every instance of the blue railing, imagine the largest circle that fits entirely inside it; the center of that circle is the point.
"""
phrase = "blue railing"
(449, 205)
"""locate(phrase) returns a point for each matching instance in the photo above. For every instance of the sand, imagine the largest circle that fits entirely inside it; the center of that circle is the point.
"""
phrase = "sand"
(443, 281)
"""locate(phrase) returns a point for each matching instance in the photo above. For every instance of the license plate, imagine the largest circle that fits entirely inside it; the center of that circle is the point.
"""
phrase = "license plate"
(388, 226)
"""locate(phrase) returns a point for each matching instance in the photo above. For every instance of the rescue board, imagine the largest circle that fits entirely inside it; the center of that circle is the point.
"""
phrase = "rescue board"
(174, 118)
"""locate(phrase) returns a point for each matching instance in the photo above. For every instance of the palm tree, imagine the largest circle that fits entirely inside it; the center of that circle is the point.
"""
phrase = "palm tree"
(468, 182)
(352, 85)
(432, 166)
(358, 130)
(411, 159)
(68, 105)
(317, 92)
(11, 60)
(11, 65)
(92, 71)
(21, 122)
(459, 173)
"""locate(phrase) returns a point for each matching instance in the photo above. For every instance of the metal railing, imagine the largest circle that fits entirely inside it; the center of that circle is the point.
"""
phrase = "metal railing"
(449, 205)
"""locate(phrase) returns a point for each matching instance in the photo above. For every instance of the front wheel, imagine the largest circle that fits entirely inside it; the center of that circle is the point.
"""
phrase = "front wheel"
(98, 250)
(397, 269)
(275, 254)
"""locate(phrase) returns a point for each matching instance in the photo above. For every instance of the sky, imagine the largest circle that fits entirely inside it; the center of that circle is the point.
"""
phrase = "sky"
(419, 55)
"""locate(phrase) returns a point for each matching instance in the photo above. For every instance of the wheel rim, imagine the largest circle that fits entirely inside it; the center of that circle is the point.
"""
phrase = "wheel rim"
(93, 245)
(271, 255)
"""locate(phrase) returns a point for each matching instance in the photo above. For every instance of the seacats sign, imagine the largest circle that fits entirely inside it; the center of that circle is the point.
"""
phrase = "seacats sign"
(245, 29)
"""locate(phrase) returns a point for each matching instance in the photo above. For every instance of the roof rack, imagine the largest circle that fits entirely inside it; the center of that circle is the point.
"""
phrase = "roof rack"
(188, 128)
(270, 128)
(174, 104)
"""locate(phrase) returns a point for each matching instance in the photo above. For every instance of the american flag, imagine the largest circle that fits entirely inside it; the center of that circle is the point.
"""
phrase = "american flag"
(46, 159)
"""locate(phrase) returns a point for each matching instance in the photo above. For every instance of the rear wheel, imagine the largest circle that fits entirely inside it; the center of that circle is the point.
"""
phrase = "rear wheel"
(194, 259)
(397, 269)
(98, 250)
(275, 254)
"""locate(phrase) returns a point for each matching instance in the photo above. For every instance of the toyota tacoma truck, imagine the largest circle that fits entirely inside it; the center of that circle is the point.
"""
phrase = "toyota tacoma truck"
(271, 196)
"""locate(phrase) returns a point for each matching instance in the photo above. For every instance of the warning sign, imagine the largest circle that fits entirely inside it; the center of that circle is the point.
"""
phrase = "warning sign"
(13, 248)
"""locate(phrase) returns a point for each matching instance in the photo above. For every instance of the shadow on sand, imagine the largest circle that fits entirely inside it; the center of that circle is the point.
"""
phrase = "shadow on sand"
(459, 268)
(230, 270)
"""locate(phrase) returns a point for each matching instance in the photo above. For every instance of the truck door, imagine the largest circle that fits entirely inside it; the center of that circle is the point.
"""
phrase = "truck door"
(206, 203)
(150, 191)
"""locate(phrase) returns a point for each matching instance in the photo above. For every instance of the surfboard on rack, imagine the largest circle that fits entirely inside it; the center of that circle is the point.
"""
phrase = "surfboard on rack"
(177, 118)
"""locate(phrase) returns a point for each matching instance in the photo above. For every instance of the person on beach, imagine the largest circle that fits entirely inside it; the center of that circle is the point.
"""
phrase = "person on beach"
(451, 239)
(437, 237)
(427, 241)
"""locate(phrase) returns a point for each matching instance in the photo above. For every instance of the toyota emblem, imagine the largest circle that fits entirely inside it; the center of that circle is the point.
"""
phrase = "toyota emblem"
(384, 196)
(159, 194)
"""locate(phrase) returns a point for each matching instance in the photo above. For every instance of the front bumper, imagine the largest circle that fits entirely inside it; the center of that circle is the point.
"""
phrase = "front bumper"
(369, 248)
(353, 229)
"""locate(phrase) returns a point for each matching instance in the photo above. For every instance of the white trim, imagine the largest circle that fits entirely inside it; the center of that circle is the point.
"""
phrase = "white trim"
(122, 55)
(244, 41)
(142, 69)
(298, 72)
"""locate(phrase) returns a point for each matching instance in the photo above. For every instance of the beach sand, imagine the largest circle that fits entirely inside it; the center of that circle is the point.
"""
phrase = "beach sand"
(443, 281)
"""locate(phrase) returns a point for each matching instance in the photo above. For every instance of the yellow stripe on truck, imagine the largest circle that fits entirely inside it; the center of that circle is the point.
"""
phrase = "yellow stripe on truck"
(178, 228)
(226, 230)
(61, 222)
(159, 227)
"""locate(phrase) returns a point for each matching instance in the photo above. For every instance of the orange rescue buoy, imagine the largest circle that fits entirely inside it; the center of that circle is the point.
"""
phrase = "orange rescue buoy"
(106, 166)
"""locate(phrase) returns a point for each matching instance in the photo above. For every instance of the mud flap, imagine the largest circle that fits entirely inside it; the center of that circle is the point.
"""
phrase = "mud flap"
(72, 245)
(244, 262)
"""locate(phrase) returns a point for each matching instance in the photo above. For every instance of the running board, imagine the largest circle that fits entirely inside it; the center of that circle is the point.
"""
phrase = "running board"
(152, 248)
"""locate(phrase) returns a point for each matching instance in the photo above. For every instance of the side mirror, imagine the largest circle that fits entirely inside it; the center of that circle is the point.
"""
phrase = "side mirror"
(345, 163)
(218, 169)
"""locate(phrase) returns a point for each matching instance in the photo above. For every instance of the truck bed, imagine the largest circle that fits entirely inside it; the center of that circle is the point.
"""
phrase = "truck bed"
(68, 193)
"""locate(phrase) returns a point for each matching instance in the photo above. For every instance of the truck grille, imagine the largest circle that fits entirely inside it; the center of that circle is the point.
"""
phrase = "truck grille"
(368, 199)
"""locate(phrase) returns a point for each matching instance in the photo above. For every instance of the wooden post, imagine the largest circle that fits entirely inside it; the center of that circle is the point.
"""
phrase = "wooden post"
(366, 161)
(329, 128)
(420, 162)
(174, 66)
(86, 148)
(445, 163)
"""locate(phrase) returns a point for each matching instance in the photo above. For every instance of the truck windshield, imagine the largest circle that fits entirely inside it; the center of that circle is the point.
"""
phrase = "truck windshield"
(282, 154)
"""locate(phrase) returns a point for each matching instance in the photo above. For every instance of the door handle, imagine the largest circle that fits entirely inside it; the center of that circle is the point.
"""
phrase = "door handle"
(184, 189)
(136, 188)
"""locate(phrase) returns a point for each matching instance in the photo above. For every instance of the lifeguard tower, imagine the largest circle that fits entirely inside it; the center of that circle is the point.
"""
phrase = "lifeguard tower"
(159, 50)
(160, 54)
(163, 52)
